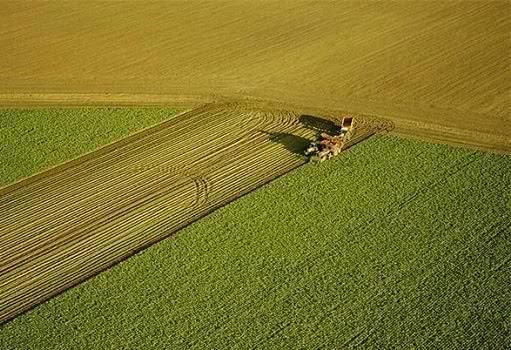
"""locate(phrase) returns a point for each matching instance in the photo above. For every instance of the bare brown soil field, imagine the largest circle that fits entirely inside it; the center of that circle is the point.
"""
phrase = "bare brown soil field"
(70, 222)
(439, 70)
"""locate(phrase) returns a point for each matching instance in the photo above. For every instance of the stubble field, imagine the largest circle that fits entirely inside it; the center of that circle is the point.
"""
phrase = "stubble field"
(439, 70)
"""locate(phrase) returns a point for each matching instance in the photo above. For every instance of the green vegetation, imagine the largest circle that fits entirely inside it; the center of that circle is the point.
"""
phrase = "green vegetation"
(396, 244)
(34, 139)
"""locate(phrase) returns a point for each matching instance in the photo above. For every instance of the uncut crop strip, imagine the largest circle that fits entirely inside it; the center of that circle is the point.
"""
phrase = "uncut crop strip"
(73, 221)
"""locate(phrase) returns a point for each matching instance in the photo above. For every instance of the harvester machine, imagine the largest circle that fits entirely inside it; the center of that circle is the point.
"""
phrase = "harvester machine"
(328, 146)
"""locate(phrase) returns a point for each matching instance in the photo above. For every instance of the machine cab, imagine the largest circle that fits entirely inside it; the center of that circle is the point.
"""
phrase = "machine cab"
(346, 124)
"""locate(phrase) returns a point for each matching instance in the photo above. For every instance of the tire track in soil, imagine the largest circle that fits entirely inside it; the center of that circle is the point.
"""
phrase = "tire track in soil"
(74, 221)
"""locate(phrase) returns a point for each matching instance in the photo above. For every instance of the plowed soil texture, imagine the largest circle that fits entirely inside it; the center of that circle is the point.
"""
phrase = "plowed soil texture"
(440, 70)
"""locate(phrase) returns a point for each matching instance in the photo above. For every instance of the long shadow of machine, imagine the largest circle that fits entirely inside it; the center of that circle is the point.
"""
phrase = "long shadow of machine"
(293, 143)
(297, 144)
(319, 125)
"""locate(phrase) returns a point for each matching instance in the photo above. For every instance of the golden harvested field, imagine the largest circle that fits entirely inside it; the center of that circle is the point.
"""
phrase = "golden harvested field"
(439, 70)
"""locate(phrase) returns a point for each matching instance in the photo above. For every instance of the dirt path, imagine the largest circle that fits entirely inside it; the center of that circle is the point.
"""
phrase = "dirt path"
(68, 223)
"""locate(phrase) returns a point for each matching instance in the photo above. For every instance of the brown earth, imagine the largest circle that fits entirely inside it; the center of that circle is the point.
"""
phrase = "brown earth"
(439, 70)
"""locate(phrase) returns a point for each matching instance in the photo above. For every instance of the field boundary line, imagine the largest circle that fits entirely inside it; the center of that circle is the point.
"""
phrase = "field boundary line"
(407, 118)
(91, 154)
(34, 100)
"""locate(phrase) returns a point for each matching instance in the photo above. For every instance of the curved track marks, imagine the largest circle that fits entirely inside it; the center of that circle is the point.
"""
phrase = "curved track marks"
(77, 219)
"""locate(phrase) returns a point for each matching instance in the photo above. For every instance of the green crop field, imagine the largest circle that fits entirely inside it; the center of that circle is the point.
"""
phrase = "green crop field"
(32, 140)
(395, 244)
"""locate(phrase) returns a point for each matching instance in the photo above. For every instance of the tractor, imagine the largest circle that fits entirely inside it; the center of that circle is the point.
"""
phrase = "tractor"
(328, 146)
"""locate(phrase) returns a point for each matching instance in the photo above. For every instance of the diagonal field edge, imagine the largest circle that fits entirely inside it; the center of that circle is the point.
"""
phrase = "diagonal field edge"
(89, 155)
(128, 254)
(67, 224)
(17, 296)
